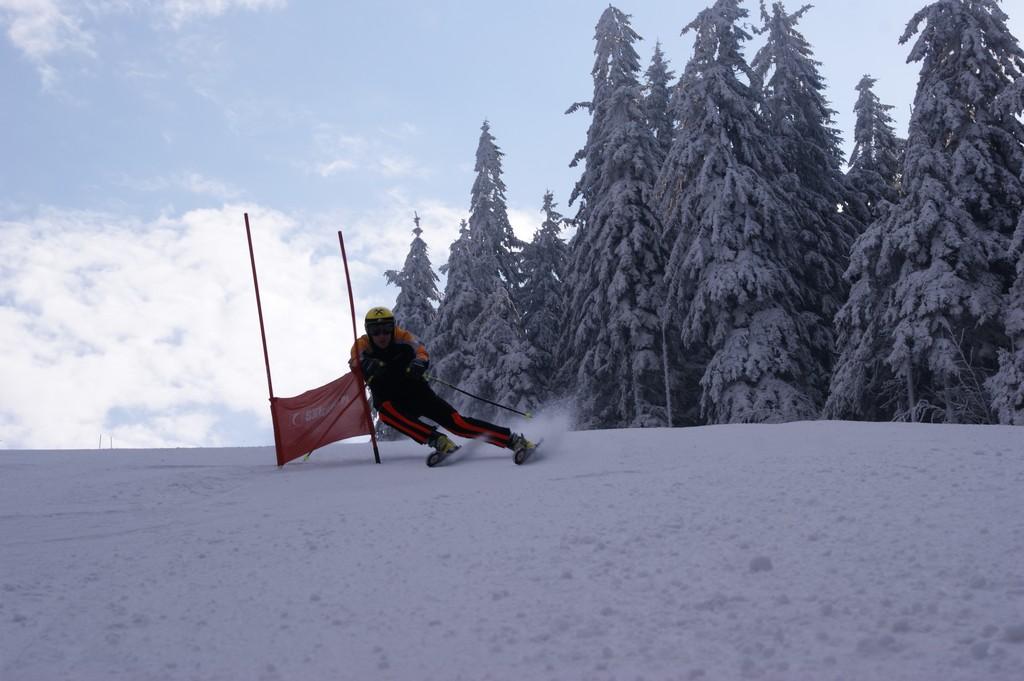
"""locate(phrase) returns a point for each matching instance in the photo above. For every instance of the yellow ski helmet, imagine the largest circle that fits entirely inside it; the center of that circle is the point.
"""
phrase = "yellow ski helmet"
(379, 317)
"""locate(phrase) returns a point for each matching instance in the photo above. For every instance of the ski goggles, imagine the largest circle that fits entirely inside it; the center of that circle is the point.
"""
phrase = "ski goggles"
(380, 329)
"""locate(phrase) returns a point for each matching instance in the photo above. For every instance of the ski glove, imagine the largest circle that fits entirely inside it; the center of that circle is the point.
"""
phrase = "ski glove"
(371, 365)
(417, 368)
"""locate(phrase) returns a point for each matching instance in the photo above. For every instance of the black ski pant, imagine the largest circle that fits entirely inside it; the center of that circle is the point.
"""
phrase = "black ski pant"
(403, 411)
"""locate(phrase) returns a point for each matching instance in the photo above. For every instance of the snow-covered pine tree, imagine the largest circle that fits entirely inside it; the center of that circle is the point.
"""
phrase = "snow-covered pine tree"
(417, 283)
(731, 280)
(461, 304)
(488, 222)
(875, 161)
(585, 192)
(658, 100)
(862, 384)
(801, 121)
(947, 244)
(611, 352)
(483, 349)
(502, 359)
(542, 296)
(1007, 385)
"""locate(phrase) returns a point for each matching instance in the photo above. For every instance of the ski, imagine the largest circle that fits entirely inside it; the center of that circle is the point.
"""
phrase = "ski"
(437, 457)
(525, 453)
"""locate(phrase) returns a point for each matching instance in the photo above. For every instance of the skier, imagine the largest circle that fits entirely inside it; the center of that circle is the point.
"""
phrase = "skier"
(394, 363)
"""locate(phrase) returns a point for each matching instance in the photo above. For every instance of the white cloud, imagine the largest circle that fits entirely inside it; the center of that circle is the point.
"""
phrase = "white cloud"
(205, 186)
(335, 166)
(46, 29)
(102, 315)
(43, 29)
(381, 238)
(525, 222)
(180, 12)
(341, 152)
(402, 131)
(398, 166)
(391, 166)
(192, 182)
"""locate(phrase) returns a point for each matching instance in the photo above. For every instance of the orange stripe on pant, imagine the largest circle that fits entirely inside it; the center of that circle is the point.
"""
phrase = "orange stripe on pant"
(472, 430)
(418, 431)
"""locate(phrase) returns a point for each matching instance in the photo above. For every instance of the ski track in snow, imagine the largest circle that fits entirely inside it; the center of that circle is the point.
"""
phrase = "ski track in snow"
(823, 550)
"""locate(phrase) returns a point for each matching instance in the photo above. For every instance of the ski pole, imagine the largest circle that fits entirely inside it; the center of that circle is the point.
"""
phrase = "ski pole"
(477, 397)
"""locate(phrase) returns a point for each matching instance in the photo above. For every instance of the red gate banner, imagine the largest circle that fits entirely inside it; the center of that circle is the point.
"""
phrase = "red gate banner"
(320, 416)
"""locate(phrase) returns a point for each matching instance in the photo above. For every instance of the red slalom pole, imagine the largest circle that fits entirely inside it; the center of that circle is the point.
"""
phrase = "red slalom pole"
(263, 335)
(355, 335)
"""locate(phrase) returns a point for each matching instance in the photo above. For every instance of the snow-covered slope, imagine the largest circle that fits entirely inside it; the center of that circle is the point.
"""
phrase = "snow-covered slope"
(804, 551)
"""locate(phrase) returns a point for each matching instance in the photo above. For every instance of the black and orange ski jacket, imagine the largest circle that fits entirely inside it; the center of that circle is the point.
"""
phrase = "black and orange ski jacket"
(392, 378)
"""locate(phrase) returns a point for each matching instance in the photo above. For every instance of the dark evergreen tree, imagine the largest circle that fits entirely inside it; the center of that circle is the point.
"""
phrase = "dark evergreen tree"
(862, 385)
(502, 364)
(488, 221)
(732, 279)
(801, 121)
(417, 283)
(612, 348)
(1007, 385)
(482, 348)
(461, 304)
(610, 36)
(542, 296)
(874, 171)
(944, 260)
(657, 102)
(964, 195)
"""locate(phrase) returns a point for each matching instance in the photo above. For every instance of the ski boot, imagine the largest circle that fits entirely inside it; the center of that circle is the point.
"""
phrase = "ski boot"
(442, 448)
(521, 447)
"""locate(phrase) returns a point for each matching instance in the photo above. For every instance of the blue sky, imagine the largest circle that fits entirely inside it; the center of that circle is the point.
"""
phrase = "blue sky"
(137, 133)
